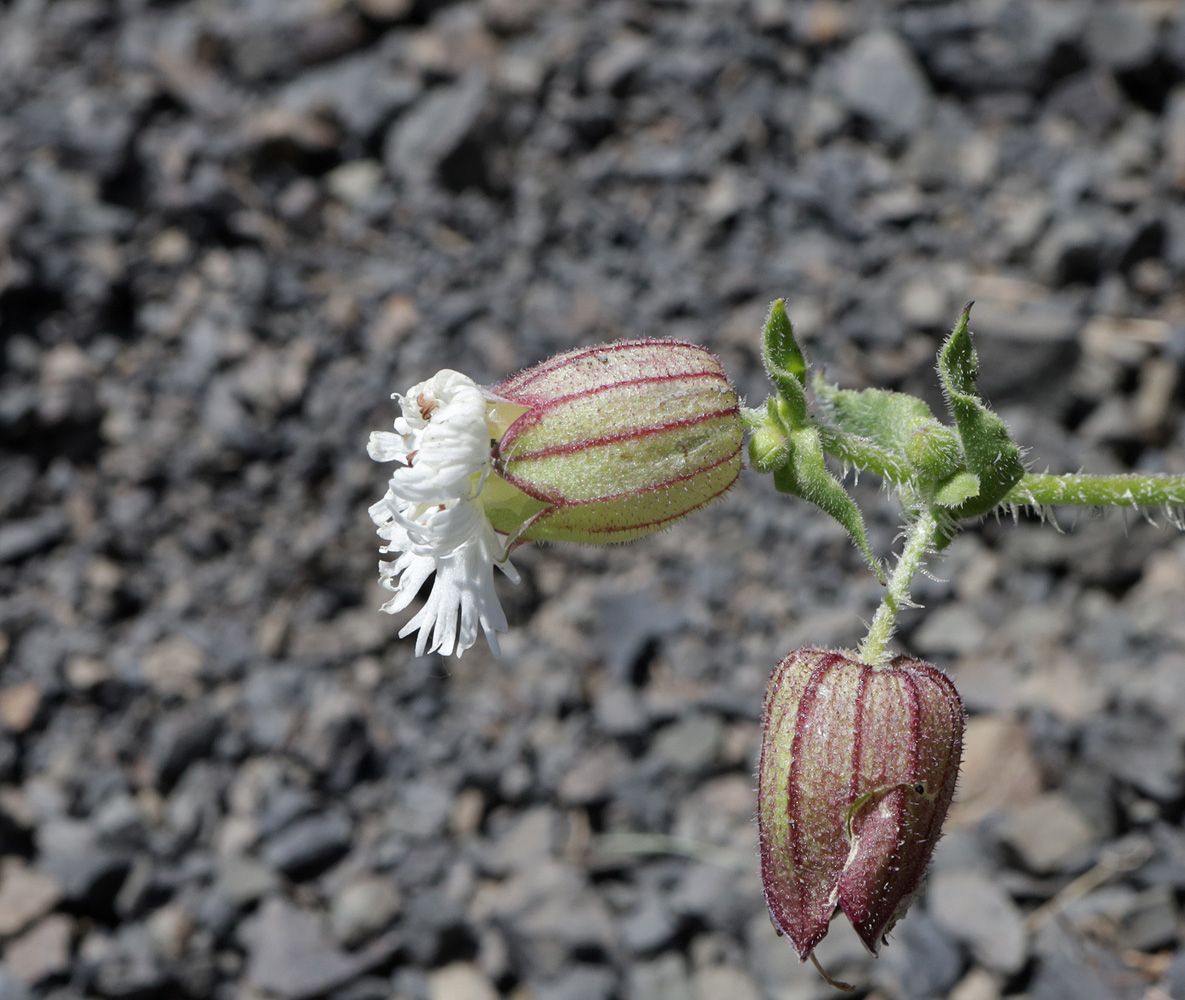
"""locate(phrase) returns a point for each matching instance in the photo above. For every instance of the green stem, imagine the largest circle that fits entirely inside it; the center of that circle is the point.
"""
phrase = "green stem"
(920, 539)
(1081, 490)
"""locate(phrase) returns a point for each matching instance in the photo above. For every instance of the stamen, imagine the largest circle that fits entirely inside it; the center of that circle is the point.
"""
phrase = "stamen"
(426, 406)
(833, 983)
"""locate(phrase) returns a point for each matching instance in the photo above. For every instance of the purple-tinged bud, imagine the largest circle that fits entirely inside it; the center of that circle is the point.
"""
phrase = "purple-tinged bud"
(616, 441)
(858, 766)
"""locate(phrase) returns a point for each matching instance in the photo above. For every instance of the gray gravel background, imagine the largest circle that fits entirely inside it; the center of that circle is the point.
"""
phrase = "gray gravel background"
(229, 230)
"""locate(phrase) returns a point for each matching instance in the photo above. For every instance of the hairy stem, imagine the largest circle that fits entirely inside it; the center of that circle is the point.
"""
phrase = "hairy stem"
(1082, 490)
(920, 539)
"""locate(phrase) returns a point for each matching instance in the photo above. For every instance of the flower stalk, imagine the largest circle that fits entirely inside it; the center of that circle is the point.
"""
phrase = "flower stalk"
(1082, 490)
(921, 537)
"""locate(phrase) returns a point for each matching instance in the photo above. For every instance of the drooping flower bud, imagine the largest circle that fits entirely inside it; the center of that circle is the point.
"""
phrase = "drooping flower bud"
(616, 441)
(858, 766)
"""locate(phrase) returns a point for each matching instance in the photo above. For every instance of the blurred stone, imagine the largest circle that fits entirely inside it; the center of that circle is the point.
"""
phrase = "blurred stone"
(1048, 833)
(664, 978)
(718, 812)
(355, 181)
(309, 846)
(244, 880)
(524, 842)
(460, 981)
(582, 982)
(1138, 748)
(468, 810)
(632, 621)
(609, 67)
(690, 745)
(1121, 37)
(87, 672)
(922, 962)
(716, 981)
(1140, 921)
(433, 129)
(361, 92)
(925, 303)
(553, 913)
(390, 10)
(396, 320)
(650, 926)
(170, 929)
(619, 711)
(999, 771)
(174, 666)
(978, 984)
(125, 963)
(1071, 251)
(120, 822)
(1174, 134)
(1091, 99)
(951, 630)
(423, 809)
(1176, 974)
(19, 704)
(22, 538)
(89, 875)
(42, 951)
(715, 896)
(11, 988)
(180, 738)
(364, 908)
(290, 955)
(1072, 966)
(592, 778)
(973, 908)
(25, 895)
(879, 79)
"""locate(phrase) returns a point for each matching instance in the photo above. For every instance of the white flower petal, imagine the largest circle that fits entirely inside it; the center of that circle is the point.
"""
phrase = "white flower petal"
(432, 519)
(384, 446)
(463, 595)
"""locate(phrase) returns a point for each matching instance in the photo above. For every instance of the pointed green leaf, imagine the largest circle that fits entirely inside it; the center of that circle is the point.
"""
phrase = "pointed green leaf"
(784, 361)
(805, 475)
(991, 453)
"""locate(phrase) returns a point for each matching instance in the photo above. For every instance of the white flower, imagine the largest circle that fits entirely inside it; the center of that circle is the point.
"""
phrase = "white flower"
(431, 515)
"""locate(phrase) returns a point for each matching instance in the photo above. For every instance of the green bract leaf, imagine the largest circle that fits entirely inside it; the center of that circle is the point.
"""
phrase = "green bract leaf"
(937, 457)
(957, 490)
(784, 362)
(872, 428)
(769, 448)
(991, 453)
(805, 475)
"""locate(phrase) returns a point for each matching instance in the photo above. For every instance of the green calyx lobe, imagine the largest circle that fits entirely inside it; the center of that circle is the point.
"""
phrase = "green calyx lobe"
(507, 506)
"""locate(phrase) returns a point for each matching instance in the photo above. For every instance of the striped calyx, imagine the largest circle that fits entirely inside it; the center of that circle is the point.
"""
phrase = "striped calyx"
(858, 766)
(610, 443)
